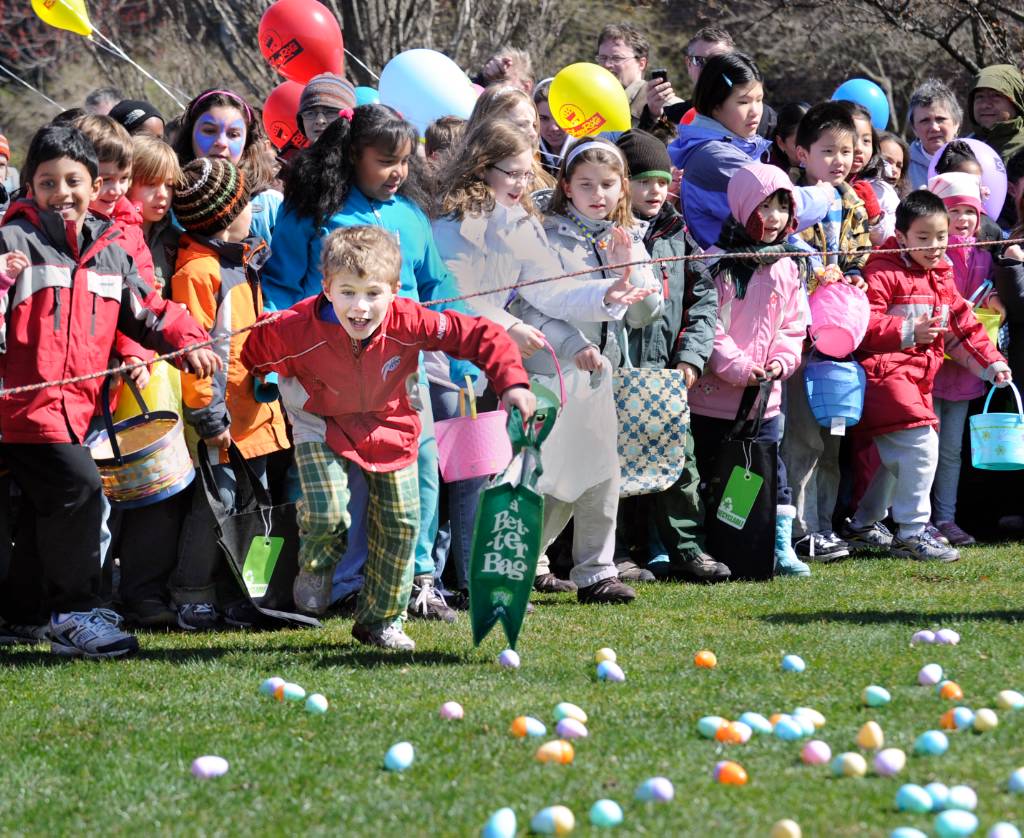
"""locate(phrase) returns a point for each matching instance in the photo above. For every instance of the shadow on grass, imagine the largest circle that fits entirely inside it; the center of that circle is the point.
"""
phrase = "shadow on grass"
(912, 618)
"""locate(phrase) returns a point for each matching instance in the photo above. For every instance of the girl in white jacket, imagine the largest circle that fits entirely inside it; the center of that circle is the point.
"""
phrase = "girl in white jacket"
(490, 236)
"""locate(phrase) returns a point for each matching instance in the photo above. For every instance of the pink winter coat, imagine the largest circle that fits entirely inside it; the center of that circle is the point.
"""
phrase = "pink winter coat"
(971, 267)
(767, 325)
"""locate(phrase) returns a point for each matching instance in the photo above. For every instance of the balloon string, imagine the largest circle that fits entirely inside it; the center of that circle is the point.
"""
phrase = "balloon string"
(120, 53)
(39, 93)
(361, 64)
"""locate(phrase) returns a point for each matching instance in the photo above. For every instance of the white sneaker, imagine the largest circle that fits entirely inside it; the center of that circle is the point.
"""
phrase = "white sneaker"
(385, 636)
(90, 634)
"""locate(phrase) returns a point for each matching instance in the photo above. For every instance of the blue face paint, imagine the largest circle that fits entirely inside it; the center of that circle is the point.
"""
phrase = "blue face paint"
(210, 131)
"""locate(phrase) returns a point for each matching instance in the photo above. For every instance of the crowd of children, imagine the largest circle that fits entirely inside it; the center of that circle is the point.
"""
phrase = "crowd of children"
(129, 236)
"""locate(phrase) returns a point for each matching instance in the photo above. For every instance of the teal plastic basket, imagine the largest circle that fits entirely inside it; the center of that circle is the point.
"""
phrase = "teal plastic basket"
(997, 439)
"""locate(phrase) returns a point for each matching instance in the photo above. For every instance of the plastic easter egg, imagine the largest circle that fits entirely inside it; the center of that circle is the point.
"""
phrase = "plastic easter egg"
(606, 813)
(743, 730)
(890, 762)
(913, 798)
(293, 692)
(605, 654)
(399, 756)
(946, 721)
(502, 824)
(962, 797)
(756, 722)
(1016, 784)
(1010, 700)
(793, 663)
(875, 696)
(523, 726)
(950, 690)
(209, 766)
(817, 718)
(571, 729)
(610, 671)
(316, 704)
(923, 636)
(557, 751)
(705, 659)
(656, 789)
(907, 832)
(554, 820)
(963, 718)
(947, 637)
(939, 793)
(728, 734)
(816, 752)
(849, 765)
(1003, 830)
(709, 725)
(730, 773)
(955, 824)
(509, 659)
(985, 720)
(929, 675)
(932, 743)
(870, 736)
(806, 723)
(451, 710)
(565, 710)
(788, 729)
(279, 690)
(267, 687)
(786, 829)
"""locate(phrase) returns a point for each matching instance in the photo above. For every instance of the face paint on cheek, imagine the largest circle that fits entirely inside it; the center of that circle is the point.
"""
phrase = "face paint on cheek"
(236, 145)
(205, 139)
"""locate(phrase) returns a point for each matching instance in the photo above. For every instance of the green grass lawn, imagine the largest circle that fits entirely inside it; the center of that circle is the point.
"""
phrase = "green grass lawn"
(107, 746)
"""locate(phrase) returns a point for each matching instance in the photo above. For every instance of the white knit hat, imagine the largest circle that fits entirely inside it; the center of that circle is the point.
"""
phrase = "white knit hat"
(957, 189)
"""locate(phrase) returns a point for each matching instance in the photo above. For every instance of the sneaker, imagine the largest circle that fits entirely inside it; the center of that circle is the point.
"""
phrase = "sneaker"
(384, 636)
(426, 603)
(90, 634)
(150, 613)
(18, 634)
(701, 568)
(874, 537)
(548, 583)
(198, 616)
(632, 572)
(954, 535)
(935, 533)
(609, 590)
(311, 591)
(924, 548)
(821, 547)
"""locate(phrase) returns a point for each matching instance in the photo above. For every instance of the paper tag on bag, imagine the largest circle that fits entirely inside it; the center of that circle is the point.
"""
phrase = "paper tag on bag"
(739, 496)
(838, 426)
(259, 564)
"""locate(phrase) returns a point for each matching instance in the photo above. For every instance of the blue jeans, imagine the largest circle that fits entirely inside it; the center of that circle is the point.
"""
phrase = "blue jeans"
(952, 418)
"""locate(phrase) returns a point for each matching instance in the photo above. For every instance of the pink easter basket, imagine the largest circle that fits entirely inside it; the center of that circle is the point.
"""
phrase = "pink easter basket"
(839, 318)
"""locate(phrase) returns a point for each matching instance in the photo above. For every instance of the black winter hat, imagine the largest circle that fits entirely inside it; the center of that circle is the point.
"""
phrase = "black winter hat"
(645, 154)
(131, 113)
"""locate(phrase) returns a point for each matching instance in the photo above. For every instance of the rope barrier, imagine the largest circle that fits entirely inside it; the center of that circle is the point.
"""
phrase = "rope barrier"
(125, 368)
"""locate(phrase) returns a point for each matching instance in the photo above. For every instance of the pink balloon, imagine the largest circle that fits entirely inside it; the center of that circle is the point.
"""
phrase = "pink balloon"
(993, 174)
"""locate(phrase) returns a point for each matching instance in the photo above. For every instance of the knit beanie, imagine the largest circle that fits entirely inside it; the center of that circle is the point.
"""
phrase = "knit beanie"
(210, 195)
(957, 189)
(5, 147)
(131, 113)
(327, 91)
(645, 154)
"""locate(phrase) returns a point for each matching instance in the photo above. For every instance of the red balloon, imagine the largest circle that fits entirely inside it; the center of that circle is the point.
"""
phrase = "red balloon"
(688, 117)
(301, 39)
(280, 112)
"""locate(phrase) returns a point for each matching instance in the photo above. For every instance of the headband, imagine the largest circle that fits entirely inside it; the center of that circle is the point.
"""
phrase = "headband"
(230, 93)
(589, 145)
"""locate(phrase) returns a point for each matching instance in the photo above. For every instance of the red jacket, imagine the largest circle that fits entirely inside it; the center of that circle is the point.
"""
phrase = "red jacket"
(128, 220)
(900, 373)
(355, 395)
(59, 320)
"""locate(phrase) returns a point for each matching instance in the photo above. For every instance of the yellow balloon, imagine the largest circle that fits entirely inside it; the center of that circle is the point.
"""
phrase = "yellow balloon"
(64, 14)
(586, 100)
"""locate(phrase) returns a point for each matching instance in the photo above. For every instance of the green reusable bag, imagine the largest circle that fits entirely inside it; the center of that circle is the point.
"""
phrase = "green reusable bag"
(506, 537)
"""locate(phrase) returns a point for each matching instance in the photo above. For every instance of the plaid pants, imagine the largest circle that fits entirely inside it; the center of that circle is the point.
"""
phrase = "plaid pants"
(392, 524)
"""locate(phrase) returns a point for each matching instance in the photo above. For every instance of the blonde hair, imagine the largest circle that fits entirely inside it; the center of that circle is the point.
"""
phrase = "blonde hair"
(153, 160)
(109, 137)
(490, 141)
(520, 66)
(622, 214)
(497, 102)
(367, 252)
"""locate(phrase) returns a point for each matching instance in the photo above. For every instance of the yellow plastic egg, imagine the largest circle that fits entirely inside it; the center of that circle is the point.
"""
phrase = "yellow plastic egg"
(870, 736)
(985, 720)
(605, 654)
(786, 829)
(557, 751)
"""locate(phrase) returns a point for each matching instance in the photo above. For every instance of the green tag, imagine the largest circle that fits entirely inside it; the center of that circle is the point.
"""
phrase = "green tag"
(259, 565)
(738, 497)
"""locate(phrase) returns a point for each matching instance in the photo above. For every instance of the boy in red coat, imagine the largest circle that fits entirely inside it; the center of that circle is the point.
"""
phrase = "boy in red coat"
(346, 357)
(916, 316)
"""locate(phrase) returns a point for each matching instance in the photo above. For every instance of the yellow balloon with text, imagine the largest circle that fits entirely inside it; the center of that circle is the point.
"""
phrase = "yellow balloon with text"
(64, 14)
(586, 100)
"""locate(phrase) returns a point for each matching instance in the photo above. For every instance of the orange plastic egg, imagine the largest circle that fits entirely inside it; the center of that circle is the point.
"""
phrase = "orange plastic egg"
(951, 691)
(729, 734)
(557, 750)
(947, 722)
(731, 773)
(705, 659)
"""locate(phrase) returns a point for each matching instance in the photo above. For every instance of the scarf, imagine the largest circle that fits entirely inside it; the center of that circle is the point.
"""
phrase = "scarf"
(735, 238)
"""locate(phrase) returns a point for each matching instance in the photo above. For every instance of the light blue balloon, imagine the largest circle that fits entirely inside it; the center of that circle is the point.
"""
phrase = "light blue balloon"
(370, 96)
(869, 95)
(606, 813)
(424, 85)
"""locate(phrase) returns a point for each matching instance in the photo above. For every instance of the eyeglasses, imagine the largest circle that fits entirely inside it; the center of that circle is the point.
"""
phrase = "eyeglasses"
(612, 60)
(697, 60)
(313, 114)
(526, 178)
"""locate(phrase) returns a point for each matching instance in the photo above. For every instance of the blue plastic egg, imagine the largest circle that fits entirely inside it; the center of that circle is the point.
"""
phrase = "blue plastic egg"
(931, 742)
(293, 692)
(502, 824)
(1003, 830)
(963, 718)
(875, 696)
(789, 729)
(658, 789)
(610, 671)
(907, 832)
(940, 795)
(1017, 781)
(606, 813)
(399, 756)
(913, 798)
(554, 820)
(708, 726)
(756, 722)
(955, 824)
(793, 663)
(962, 797)
(806, 723)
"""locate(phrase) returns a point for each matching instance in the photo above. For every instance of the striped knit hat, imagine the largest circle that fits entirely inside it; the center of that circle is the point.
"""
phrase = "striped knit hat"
(210, 195)
(327, 91)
